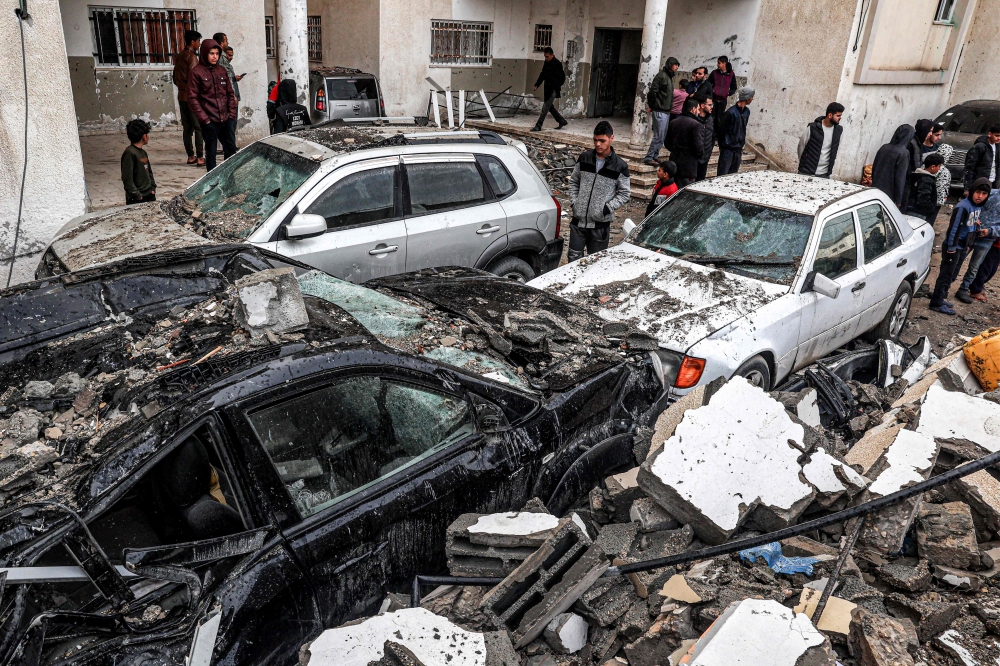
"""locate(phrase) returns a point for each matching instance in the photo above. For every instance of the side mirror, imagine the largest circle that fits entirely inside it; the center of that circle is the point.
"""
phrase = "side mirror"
(305, 225)
(628, 226)
(821, 284)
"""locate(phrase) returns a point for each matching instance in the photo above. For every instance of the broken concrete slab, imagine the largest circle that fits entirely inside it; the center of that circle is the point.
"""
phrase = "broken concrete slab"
(946, 535)
(566, 633)
(906, 578)
(651, 517)
(671, 417)
(432, 639)
(867, 451)
(38, 390)
(836, 616)
(958, 376)
(616, 539)
(760, 633)
(621, 490)
(22, 427)
(271, 300)
(967, 646)
(981, 491)
(728, 459)
(878, 640)
(953, 415)
(957, 578)
(654, 647)
(606, 601)
(832, 478)
(495, 544)
(930, 617)
(677, 588)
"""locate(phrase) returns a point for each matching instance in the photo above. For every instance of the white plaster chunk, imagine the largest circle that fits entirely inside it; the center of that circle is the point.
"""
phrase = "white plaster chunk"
(727, 457)
(433, 640)
(514, 523)
(820, 471)
(953, 415)
(953, 639)
(256, 299)
(910, 456)
(579, 523)
(756, 632)
(567, 633)
(807, 408)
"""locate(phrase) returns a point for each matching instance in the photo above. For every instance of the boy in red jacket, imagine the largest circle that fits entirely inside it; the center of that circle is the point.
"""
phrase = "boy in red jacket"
(664, 187)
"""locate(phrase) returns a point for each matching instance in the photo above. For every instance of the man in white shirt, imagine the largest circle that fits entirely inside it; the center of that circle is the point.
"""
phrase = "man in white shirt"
(819, 143)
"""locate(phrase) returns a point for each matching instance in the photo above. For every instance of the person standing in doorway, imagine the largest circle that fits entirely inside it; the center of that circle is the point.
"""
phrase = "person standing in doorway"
(891, 168)
(212, 101)
(598, 187)
(707, 120)
(819, 144)
(137, 174)
(983, 159)
(659, 102)
(723, 82)
(685, 143)
(553, 76)
(191, 130)
(733, 134)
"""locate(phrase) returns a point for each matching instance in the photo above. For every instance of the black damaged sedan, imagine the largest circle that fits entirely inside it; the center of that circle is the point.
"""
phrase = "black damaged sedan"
(225, 498)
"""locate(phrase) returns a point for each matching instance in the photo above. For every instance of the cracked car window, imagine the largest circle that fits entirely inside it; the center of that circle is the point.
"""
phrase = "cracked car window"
(699, 224)
(329, 444)
(838, 247)
(255, 180)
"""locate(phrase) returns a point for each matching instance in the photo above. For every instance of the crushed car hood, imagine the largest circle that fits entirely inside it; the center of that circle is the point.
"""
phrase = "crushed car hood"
(122, 232)
(674, 301)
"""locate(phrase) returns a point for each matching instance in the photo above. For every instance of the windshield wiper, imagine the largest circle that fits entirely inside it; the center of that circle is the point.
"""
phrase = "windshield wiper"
(726, 261)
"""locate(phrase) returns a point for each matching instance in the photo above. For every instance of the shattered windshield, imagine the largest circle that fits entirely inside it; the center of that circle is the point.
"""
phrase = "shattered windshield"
(254, 181)
(746, 238)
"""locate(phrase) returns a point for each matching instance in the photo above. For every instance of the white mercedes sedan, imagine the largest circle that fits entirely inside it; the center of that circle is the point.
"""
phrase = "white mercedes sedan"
(755, 274)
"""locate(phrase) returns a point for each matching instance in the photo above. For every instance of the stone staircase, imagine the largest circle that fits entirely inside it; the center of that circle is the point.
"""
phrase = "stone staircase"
(643, 176)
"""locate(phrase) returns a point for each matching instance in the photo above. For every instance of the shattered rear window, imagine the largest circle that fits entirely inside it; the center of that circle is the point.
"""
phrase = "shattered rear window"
(756, 240)
(254, 181)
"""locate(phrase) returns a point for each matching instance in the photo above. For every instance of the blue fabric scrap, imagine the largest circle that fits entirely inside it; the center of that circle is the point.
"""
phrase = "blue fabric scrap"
(771, 553)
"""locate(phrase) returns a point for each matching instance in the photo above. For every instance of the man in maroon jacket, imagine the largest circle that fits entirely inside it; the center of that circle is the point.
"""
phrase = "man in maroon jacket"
(211, 98)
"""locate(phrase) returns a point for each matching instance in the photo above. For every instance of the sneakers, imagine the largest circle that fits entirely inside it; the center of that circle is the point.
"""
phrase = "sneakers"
(944, 308)
(561, 125)
(963, 295)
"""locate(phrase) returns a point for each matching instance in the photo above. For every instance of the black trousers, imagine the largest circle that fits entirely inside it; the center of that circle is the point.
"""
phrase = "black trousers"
(217, 132)
(986, 271)
(592, 240)
(702, 171)
(550, 107)
(729, 161)
(129, 200)
(951, 264)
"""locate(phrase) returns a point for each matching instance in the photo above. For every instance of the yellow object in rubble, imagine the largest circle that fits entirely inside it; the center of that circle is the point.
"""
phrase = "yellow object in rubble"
(982, 353)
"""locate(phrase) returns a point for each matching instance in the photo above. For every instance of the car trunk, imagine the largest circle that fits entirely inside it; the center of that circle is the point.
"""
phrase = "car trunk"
(352, 97)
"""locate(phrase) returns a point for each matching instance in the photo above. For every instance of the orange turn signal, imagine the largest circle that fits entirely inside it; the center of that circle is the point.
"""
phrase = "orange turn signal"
(690, 372)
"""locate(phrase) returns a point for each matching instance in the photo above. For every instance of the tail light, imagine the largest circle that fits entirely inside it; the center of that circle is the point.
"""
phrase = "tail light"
(381, 104)
(321, 99)
(558, 216)
(690, 372)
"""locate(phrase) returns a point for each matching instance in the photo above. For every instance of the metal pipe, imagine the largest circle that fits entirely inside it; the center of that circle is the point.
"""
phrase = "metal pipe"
(832, 580)
(446, 580)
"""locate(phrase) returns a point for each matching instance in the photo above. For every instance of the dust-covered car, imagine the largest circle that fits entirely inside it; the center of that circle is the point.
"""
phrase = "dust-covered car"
(756, 274)
(176, 484)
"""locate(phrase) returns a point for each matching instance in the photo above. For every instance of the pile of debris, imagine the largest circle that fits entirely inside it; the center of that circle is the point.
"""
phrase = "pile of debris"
(726, 463)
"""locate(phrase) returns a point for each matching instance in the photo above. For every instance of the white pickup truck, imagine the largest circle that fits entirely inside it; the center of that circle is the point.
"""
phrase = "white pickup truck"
(756, 274)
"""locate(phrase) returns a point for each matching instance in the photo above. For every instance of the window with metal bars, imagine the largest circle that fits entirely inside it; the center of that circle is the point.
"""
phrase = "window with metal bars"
(269, 40)
(543, 37)
(465, 43)
(315, 38)
(129, 36)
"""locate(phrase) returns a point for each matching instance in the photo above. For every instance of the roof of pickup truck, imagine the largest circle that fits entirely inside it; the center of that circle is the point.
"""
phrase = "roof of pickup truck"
(776, 189)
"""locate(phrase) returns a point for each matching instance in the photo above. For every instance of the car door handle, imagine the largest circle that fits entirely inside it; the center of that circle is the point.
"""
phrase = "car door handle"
(385, 249)
(858, 287)
(902, 262)
(487, 230)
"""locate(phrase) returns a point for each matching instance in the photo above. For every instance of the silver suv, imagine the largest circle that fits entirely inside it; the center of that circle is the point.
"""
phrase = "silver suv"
(339, 92)
(355, 204)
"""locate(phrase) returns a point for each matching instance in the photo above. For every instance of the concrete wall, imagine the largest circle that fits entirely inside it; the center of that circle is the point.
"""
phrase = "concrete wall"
(405, 54)
(699, 31)
(350, 32)
(54, 187)
(976, 76)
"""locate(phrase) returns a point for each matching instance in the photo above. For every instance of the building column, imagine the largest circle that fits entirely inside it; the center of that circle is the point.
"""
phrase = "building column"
(292, 27)
(652, 45)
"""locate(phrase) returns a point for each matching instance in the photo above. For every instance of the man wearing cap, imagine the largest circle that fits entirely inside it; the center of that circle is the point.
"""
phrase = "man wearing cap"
(733, 132)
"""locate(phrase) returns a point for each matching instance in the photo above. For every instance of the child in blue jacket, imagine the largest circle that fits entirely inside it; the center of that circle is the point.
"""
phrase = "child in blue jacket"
(962, 231)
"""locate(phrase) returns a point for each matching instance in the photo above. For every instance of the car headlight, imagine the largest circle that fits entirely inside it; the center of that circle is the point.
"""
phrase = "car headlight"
(676, 370)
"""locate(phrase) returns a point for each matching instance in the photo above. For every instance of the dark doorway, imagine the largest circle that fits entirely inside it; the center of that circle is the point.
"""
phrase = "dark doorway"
(614, 73)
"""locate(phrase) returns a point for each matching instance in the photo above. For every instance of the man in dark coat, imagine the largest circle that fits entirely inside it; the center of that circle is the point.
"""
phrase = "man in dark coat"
(212, 100)
(659, 101)
(707, 121)
(891, 167)
(289, 114)
(184, 62)
(819, 145)
(685, 143)
(553, 76)
(723, 82)
(699, 83)
(733, 134)
(983, 159)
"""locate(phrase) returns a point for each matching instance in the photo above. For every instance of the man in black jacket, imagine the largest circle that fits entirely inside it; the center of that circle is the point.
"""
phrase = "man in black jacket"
(289, 114)
(891, 167)
(686, 143)
(983, 159)
(818, 146)
(659, 102)
(553, 76)
(707, 120)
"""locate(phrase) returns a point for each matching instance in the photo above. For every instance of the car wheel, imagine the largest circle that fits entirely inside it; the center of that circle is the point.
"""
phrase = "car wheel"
(757, 372)
(892, 324)
(513, 268)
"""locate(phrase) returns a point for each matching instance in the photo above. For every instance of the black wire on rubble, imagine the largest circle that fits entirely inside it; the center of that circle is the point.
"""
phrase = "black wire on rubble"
(735, 546)
(22, 16)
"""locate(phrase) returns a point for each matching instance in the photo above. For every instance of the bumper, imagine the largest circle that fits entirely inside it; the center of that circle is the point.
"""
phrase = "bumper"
(551, 255)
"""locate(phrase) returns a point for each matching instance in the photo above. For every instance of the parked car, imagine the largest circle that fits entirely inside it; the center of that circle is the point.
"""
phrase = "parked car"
(963, 124)
(217, 495)
(342, 92)
(756, 274)
(358, 205)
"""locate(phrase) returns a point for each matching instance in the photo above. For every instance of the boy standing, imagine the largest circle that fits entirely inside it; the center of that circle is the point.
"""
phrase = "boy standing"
(665, 186)
(923, 187)
(962, 231)
(137, 176)
(598, 187)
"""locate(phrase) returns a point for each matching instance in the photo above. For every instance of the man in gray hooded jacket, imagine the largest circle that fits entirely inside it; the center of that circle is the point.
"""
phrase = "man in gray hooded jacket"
(659, 102)
(598, 187)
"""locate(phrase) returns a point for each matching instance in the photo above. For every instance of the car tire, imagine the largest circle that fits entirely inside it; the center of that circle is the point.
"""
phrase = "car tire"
(513, 268)
(757, 372)
(892, 324)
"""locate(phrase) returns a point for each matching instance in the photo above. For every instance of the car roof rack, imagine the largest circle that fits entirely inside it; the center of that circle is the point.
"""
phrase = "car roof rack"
(460, 136)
